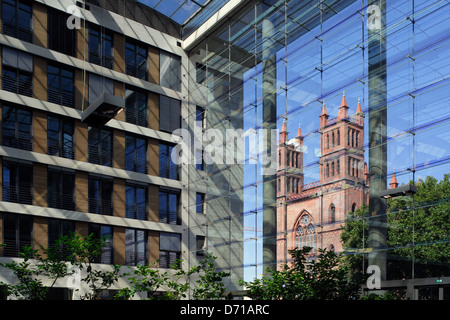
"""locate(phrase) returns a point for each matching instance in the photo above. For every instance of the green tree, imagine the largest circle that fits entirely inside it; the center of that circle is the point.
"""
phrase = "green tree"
(175, 284)
(324, 277)
(35, 266)
(68, 255)
(82, 252)
(210, 284)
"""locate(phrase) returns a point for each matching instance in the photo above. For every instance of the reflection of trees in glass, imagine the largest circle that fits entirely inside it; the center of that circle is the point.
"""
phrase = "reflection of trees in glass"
(430, 224)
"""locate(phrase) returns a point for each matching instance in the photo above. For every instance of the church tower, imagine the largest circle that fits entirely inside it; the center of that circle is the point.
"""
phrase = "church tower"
(343, 172)
(290, 163)
(342, 142)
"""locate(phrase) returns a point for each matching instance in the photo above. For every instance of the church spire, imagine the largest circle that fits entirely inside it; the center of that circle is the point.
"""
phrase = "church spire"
(393, 184)
(324, 116)
(283, 133)
(299, 131)
(343, 109)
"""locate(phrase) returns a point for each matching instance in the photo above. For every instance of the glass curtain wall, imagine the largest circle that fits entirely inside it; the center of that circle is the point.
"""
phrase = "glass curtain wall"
(358, 94)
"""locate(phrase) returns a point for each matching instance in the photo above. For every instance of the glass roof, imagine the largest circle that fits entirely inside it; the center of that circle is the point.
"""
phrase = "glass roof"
(177, 10)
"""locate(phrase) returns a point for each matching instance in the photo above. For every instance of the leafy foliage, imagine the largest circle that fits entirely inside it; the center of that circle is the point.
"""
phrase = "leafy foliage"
(210, 284)
(174, 284)
(326, 277)
(424, 217)
(34, 267)
(70, 254)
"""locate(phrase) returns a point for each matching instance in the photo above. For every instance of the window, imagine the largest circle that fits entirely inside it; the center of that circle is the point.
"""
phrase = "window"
(103, 232)
(17, 72)
(136, 107)
(16, 19)
(338, 138)
(99, 85)
(200, 117)
(305, 234)
(17, 182)
(100, 192)
(60, 38)
(59, 228)
(200, 245)
(101, 47)
(61, 187)
(353, 207)
(60, 86)
(136, 251)
(169, 249)
(199, 160)
(332, 214)
(170, 70)
(200, 74)
(200, 202)
(168, 206)
(100, 149)
(17, 233)
(136, 202)
(167, 168)
(136, 154)
(169, 114)
(136, 60)
(16, 128)
(60, 135)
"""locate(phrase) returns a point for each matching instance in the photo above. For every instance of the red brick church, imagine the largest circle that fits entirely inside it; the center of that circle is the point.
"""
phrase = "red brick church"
(312, 214)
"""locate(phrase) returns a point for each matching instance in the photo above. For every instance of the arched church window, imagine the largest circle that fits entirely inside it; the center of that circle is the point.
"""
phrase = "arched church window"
(338, 138)
(353, 207)
(306, 234)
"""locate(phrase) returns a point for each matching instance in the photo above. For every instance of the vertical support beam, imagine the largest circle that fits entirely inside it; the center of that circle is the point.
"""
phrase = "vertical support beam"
(377, 137)
(39, 78)
(119, 90)
(269, 74)
(119, 245)
(153, 68)
(81, 137)
(40, 131)
(153, 157)
(119, 149)
(119, 52)
(40, 184)
(40, 232)
(119, 198)
(153, 110)
(153, 200)
(153, 247)
(40, 33)
(81, 191)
